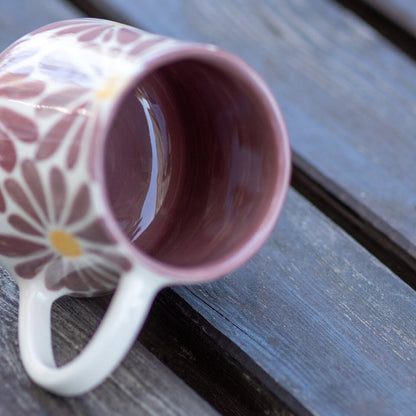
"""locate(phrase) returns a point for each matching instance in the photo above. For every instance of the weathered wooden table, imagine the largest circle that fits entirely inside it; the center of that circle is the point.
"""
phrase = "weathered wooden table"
(322, 320)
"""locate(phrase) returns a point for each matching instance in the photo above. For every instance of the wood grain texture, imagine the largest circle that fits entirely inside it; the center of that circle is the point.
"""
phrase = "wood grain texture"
(403, 12)
(326, 322)
(347, 94)
(395, 20)
(142, 385)
(199, 354)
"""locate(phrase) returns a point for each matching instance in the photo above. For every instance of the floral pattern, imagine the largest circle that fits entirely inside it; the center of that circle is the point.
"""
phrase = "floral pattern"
(73, 121)
(15, 126)
(111, 36)
(58, 235)
(51, 229)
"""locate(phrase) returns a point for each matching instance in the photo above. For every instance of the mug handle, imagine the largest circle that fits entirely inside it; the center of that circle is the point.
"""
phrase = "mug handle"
(112, 340)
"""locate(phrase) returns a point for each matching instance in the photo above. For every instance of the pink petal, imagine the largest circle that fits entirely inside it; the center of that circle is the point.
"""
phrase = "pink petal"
(2, 202)
(119, 260)
(31, 268)
(58, 190)
(107, 36)
(92, 34)
(92, 278)
(137, 50)
(12, 246)
(74, 149)
(97, 280)
(54, 137)
(95, 232)
(22, 225)
(17, 194)
(54, 274)
(9, 78)
(32, 178)
(91, 154)
(53, 103)
(7, 153)
(22, 127)
(100, 271)
(125, 36)
(75, 282)
(20, 86)
(80, 205)
(57, 25)
(76, 28)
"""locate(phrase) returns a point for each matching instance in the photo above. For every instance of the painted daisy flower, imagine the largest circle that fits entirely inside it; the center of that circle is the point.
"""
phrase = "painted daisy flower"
(59, 236)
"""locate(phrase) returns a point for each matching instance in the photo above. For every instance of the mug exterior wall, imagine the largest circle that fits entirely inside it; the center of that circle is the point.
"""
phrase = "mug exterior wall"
(63, 88)
(60, 89)
(58, 86)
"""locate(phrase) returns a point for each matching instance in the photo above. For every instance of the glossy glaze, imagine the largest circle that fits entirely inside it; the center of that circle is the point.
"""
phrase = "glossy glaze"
(142, 150)
(127, 161)
(192, 161)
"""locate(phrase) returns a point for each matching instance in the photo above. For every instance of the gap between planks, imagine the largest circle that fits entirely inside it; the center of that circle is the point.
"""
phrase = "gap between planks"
(399, 33)
(376, 236)
(381, 240)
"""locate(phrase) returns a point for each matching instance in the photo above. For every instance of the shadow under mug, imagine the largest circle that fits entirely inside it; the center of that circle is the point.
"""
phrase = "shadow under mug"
(129, 161)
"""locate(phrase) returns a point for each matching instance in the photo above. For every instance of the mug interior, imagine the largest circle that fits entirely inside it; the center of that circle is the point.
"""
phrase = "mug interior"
(193, 164)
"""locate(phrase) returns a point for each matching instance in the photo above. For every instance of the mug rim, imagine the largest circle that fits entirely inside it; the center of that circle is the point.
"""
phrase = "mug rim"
(238, 256)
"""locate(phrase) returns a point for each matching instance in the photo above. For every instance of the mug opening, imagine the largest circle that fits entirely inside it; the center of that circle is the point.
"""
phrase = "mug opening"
(196, 165)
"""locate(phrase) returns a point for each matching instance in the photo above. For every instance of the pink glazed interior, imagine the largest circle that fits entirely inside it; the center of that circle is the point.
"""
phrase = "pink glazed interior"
(196, 167)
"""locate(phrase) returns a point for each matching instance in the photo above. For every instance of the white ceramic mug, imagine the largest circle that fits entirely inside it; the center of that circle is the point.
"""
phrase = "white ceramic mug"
(128, 161)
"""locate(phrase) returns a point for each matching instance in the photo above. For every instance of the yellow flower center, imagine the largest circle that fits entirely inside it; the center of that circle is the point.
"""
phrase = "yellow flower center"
(110, 88)
(65, 244)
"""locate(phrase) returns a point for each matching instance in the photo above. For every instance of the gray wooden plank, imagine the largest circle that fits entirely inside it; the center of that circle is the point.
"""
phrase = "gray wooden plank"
(321, 317)
(142, 384)
(402, 12)
(194, 350)
(348, 94)
(395, 20)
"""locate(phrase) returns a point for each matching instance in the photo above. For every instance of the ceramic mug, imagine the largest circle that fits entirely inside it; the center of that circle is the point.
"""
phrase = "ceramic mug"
(128, 161)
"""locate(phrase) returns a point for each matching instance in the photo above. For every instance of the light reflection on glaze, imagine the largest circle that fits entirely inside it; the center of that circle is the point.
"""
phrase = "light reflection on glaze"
(159, 181)
(195, 164)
